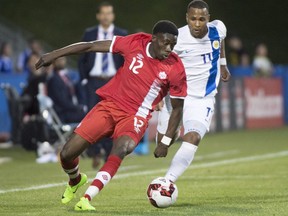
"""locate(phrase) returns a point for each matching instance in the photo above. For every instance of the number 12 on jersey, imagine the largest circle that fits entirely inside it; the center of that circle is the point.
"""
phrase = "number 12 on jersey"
(133, 66)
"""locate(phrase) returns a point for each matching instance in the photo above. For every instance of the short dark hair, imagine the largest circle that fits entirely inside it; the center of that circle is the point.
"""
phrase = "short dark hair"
(198, 4)
(103, 4)
(165, 26)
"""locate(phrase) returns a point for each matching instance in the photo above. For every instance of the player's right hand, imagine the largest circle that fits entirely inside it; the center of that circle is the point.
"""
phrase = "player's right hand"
(161, 150)
(44, 61)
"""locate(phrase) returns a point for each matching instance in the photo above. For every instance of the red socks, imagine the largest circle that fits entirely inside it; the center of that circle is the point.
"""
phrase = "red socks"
(72, 169)
(111, 167)
(104, 175)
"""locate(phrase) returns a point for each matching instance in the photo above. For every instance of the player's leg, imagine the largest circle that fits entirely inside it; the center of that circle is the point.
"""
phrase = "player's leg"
(121, 147)
(128, 133)
(86, 132)
(69, 157)
(196, 120)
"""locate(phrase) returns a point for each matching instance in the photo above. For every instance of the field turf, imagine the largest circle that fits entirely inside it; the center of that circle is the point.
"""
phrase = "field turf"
(234, 173)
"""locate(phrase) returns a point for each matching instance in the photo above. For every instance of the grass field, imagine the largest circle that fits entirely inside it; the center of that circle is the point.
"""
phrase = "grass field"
(234, 173)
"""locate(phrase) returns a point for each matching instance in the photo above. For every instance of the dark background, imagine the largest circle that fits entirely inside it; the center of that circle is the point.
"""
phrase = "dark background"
(62, 22)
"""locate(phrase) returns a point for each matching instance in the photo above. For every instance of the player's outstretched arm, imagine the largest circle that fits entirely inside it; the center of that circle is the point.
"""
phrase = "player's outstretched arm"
(76, 48)
(175, 118)
(225, 74)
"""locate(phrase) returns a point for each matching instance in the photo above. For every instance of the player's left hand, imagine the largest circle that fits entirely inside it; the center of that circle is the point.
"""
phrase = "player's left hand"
(161, 150)
(44, 61)
(225, 74)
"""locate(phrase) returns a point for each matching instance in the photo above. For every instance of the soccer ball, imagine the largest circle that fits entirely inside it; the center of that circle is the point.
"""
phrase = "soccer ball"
(162, 193)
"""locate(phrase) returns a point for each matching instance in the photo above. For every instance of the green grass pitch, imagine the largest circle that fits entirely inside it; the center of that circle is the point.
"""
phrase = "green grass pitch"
(234, 173)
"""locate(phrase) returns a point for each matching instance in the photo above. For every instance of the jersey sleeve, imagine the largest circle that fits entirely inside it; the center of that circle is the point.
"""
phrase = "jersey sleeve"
(121, 44)
(178, 83)
(221, 28)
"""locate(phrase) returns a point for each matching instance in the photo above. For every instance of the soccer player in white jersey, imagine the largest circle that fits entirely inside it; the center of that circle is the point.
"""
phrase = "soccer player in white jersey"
(200, 46)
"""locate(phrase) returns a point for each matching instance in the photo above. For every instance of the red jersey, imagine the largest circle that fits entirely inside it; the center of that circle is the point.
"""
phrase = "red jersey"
(142, 82)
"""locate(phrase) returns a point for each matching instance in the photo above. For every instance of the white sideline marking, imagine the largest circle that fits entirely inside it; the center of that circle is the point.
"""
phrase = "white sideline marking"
(141, 173)
(197, 158)
(124, 168)
(233, 177)
(216, 154)
(37, 187)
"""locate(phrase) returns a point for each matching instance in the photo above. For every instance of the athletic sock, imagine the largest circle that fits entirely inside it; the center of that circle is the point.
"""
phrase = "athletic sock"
(181, 160)
(72, 169)
(104, 175)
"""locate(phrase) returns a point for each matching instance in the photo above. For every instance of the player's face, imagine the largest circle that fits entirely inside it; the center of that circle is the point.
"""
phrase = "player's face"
(163, 45)
(105, 16)
(197, 20)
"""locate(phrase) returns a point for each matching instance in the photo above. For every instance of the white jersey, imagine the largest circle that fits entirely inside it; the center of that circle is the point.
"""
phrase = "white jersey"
(200, 57)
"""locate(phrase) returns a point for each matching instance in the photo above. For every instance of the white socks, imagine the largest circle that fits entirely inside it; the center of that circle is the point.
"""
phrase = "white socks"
(102, 178)
(181, 160)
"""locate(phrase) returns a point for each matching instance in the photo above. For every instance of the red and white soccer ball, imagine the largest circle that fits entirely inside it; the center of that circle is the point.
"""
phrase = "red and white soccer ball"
(162, 193)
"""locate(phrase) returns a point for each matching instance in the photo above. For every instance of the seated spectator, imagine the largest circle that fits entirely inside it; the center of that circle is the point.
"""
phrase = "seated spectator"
(236, 54)
(34, 48)
(6, 64)
(61, 90)
(30, 92)
(262, 65)
(35, 132)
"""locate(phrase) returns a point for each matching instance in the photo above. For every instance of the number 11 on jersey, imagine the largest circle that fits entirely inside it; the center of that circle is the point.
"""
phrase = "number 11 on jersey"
(206, 57)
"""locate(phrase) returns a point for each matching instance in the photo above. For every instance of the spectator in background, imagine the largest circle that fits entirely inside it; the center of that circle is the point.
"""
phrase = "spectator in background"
(237, 56)
(30, 92)
(34, 130)
(6, 63)
(62, 92)
(34, 48)
(96, 69)
(262, 65)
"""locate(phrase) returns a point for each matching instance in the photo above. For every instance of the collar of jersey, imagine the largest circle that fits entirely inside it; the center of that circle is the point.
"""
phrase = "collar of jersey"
(147, 50)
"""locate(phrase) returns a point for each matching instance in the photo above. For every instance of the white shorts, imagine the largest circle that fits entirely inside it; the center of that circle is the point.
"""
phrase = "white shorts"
(197, 115)
(164, 115)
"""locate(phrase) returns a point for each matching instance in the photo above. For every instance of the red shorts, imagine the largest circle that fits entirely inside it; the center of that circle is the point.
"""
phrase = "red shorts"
(106, 119)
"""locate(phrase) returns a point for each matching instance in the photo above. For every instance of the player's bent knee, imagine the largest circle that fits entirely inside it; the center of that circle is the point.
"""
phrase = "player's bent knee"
(194, 131)
(64, 155)
(123, 146)
(73, 148)
(68, 155)
(192, 137)
(130, 147)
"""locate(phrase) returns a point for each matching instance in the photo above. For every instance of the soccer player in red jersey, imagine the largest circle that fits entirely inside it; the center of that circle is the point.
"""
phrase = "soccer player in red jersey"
(150, 70)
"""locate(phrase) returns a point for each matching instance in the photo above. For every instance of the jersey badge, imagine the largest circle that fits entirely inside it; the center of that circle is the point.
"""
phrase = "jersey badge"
(216, 44)
(162, 75)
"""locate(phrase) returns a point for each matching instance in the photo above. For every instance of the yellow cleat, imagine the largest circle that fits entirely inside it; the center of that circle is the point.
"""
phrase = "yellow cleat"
(70, 191)
(84, 205)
